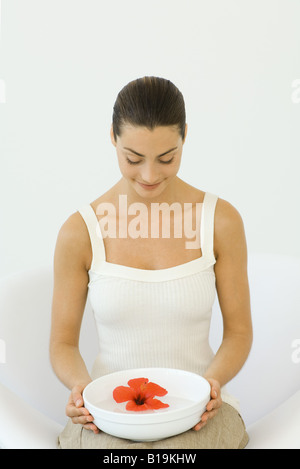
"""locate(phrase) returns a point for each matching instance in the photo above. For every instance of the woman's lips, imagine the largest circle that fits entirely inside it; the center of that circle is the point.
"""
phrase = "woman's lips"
(149, 187)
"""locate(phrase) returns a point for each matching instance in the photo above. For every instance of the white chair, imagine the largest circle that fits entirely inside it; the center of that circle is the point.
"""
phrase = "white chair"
(268, 386)
(32, 400)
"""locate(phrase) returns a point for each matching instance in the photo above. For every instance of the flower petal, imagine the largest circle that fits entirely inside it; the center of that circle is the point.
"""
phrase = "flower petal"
(155, 404)
(131, 405)
(123, 394)
(136, 383)
(152, 389)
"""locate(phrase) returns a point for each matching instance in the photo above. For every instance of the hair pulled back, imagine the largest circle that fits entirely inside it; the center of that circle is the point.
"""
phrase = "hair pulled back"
(149, 102)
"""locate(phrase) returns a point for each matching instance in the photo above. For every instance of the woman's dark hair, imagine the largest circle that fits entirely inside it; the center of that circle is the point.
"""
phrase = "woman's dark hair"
(149, 102)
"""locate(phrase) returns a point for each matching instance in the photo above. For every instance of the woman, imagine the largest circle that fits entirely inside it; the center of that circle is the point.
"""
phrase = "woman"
(152, 295)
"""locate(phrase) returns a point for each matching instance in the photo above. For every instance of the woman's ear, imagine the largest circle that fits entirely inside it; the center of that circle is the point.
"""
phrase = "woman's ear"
(112, 136)
(185, 132)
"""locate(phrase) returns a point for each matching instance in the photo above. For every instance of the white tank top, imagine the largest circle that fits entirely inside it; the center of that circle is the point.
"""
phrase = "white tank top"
(154, 318)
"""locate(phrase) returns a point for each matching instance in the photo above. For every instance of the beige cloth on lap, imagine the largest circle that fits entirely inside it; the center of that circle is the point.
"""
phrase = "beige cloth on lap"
(224, 431)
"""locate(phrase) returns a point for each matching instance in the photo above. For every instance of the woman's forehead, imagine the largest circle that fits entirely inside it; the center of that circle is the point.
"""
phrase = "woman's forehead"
(158, 134)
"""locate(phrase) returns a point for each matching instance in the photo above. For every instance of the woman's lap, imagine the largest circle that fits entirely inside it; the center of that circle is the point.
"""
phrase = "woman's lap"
(224, 431)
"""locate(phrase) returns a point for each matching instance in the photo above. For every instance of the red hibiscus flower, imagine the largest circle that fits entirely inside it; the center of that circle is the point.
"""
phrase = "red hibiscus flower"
(140, 395)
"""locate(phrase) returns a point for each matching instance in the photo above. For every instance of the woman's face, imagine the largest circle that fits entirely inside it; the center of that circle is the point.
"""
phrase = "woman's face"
(149, 159)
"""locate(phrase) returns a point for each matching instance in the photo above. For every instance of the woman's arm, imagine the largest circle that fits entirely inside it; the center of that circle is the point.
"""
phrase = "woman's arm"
(68, 304)
(233, 294)
(234, 299)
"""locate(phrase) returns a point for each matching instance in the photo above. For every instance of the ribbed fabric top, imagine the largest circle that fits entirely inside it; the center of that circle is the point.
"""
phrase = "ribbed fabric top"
(153, 318)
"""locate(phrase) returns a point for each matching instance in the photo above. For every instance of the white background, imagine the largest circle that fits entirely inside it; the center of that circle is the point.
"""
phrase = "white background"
(62, 63)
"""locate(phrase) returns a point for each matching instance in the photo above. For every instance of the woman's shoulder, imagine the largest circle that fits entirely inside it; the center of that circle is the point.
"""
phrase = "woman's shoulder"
(227, 219)
(73, 238)
(226, 214)
(228, 224)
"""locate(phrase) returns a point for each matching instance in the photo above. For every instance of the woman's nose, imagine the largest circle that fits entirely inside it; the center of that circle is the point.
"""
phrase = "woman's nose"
(149, 174)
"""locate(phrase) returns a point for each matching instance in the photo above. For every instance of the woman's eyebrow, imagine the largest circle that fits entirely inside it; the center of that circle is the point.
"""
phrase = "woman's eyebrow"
(138, 154)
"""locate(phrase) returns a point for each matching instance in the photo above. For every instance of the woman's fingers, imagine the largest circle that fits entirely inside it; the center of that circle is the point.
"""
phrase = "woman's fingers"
(92, 427)
(199, 426)
(208, 415)
(213, 405)
(83, 419)
(79, 415)
(77, 412)
(76, 396)
(204, 418)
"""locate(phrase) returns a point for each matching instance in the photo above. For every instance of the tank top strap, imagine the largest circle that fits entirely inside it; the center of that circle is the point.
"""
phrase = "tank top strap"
(207, 224)
(94, 230)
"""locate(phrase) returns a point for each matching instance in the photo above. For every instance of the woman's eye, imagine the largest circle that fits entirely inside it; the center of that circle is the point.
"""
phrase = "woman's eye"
(132, 162)
(137, 162)
(167, 162)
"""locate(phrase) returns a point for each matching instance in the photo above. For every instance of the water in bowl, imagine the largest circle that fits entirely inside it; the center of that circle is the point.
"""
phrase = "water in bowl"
(175, 402)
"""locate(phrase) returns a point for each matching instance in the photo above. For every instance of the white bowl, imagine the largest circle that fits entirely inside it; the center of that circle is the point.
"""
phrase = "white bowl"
(188, 394)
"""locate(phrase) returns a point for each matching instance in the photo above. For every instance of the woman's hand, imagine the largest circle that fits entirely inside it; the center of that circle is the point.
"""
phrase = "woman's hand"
(77, 412)
(213, 405)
